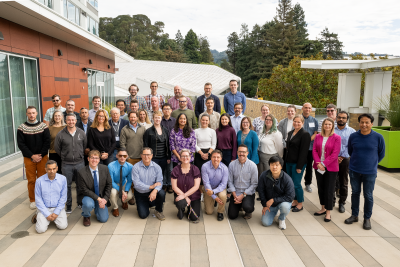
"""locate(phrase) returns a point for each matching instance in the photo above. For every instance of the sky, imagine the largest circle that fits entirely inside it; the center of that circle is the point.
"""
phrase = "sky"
(362, 26)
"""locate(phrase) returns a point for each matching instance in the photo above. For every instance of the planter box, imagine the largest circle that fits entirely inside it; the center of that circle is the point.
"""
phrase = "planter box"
(391, 161)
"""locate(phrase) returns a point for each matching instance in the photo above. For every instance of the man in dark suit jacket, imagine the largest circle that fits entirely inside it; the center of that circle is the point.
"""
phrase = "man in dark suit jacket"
(201, 100)
(117, 123)
(94, 184)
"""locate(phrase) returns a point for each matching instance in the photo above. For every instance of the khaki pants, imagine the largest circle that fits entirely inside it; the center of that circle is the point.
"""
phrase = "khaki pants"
(115, 195)
(209, 202)
(33, 171)
(42, 223)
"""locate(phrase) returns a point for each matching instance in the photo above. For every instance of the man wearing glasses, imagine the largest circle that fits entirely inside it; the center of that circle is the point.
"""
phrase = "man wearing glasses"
(331, 113)
(56, 107)
(191, 116)
(94, 184)
(153, 88)
(133, 90)
(237, 118)
(120, 172)
(342, 181)
(174, 101)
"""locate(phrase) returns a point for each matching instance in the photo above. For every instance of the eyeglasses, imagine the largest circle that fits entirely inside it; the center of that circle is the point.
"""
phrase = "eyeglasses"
(330, 110)
(268, 120)
(146, 155)
(242, 152)
(56, 100)
(185, 156)
(245, 122)
(101, 116)
(182, 101)
(341, 118)
(123, 156)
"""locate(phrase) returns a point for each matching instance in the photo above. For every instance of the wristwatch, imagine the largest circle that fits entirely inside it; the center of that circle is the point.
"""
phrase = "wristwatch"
(244, 194)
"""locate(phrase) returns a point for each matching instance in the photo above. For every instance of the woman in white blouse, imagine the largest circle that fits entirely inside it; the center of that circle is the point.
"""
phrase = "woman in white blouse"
(206, 141)
(270, 143)
(258, 123)
(285, 126)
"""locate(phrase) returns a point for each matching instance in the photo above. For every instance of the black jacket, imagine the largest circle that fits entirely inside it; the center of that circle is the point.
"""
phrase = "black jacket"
(122, 124)
(297, 148)
(86, 183)
(150, 140)
(80, 125)
(199, 108)
(281, 190)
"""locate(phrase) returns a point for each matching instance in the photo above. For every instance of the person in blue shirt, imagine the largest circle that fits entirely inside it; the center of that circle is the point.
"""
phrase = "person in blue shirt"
(50, 198)
(120, 172)
(233, 97)
(366, 149)
(248, 137)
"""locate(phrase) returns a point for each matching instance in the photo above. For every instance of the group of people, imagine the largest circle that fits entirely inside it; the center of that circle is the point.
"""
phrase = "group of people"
(149, 147)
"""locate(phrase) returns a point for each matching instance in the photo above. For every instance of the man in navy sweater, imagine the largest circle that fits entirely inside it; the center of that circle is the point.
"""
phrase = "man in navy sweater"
(366, 149)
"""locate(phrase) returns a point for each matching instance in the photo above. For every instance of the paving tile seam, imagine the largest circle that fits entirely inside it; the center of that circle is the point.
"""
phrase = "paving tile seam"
(364, 250)
(13, 169)
(234, 238)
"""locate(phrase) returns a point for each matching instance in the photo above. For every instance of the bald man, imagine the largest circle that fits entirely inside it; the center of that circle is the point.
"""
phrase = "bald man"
(174, 101)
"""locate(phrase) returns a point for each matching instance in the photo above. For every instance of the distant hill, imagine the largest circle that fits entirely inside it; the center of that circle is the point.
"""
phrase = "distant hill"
(218, 56)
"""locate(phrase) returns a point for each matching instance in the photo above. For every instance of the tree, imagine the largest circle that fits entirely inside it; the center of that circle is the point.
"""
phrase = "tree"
(332, 45)
(205, 52)
(191, 47)
(233, 40)
(225, 65)
(179, 40)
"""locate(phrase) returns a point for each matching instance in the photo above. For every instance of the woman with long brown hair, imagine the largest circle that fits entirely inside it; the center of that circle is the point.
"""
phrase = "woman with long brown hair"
(144, 119)
(226, 139)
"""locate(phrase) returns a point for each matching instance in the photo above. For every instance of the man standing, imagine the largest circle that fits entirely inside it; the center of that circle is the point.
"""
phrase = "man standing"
(70, 144)
(56, 107)
(50, 196)
(174, 101)
(85, 123)
(331, 113)
(233, 97)
(168, 123)
(183, 109)
(153, 88)
(96, 101)
(237, 118)
(132, 138)
(33, 138)
(94, 189)
(120, 104)
(366, 149)
(311, 126)
(215, 179)
(147, 178)
(154, 107)
(134, 106)
(133, 90)
(121, 176)
(70, 109)
(214, 115)
(117, 124)
(344, 131)
(242, 183)
(201, 105)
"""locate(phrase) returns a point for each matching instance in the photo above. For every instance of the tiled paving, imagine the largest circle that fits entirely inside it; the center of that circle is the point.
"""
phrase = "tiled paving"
(130, 241)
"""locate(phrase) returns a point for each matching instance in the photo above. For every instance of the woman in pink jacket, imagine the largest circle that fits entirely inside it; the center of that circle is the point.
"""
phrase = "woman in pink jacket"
(325, 153)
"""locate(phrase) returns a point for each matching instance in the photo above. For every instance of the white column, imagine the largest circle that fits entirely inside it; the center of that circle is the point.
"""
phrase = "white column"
(349, 90)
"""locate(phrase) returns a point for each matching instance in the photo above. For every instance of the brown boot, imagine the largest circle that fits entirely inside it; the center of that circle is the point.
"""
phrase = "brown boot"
(33, 220)
(125, 206)
(115, 212)
(86, 221)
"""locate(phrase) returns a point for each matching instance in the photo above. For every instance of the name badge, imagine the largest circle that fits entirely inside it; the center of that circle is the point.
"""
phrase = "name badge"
(311, 124)
(117, 138)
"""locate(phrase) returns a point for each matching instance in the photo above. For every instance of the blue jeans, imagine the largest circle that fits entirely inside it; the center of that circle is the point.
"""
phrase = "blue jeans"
(143, 203)
(269, 216)
(88, 204)
(296, 177)
(368, 181)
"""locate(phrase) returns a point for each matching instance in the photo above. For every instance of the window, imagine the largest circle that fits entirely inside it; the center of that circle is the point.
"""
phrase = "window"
(93, 26)
(101, 84)
(48, 3)
(94, 3)
(71, 12)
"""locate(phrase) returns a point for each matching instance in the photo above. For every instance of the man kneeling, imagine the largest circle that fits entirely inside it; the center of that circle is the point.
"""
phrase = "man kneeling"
(50, 196)
(276, 191)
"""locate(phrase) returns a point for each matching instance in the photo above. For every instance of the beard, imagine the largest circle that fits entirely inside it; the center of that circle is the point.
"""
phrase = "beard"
(341, 123)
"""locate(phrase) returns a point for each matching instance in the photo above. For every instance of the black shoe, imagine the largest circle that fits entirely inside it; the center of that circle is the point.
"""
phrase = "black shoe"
(220, 216)
(68, 209)
(215, 204)
(351, 219)
(296, 209)
(367, 224)
(319, 214)
(341, 208)
(327, 220)
(180, 213)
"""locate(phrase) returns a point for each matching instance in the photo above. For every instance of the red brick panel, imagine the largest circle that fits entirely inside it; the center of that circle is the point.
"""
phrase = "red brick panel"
(46, 44)
(73, 53)
(46, 67)
(47, 86)
(62, 88)
(5, 29)
(57, 67)
(64, 69)
(24, 38)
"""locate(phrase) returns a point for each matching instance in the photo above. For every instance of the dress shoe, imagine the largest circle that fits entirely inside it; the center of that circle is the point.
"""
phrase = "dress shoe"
(215, 204)
(341, 208)
(296, 209)
(68, 210)
(115, 212)
(220, 216)
(86, 221)
(351, 219)
(132, 201)
(319, 214)
(367, 224)
(169, 189)
(125, 206)
(247, 216)
(33, 220)
(258, 199)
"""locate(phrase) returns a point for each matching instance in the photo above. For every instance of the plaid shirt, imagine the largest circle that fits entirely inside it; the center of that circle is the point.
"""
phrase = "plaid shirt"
(150, 113)
(175, 103)
(141, 101)
(161, 99)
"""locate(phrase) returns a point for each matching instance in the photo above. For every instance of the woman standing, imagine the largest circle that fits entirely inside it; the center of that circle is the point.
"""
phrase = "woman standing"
(226, 139)
(298, 142)
(326, 150)
(258, 123)
(270, 144)
(182, 137)
(101, 137)
(247, 136)
(206, 141)
(285, 126)
(56, 125)
(185, 179)
(144, 119)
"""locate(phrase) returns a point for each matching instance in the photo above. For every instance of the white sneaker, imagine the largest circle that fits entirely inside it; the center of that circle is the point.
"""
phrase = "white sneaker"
(32, 206)
(282, 225)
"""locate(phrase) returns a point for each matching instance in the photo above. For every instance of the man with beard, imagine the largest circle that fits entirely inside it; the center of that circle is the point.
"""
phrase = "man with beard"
(174, 101)
(133, 90)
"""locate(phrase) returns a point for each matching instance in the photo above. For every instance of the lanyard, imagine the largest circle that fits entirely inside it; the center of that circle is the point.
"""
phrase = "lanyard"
(116, 130)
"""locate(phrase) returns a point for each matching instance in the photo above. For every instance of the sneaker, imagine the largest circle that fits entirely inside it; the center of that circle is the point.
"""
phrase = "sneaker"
(159, 215)
(32, 206)
(68, 210)
(79, 207)
(282, 225)
(308, 188)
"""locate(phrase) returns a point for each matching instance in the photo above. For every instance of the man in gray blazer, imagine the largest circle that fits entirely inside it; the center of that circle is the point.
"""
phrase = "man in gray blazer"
(95, 184)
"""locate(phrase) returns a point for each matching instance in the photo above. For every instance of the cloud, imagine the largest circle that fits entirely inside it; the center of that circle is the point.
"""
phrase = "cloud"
(363, 26)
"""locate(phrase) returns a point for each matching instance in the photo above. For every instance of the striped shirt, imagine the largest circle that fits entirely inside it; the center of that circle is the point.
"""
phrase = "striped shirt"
(50, 112)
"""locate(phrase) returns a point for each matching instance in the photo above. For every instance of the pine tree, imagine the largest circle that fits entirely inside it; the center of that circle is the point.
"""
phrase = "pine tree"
(205, 53)
(191, 47)
(332, 45)
(179, 39)
(232, 50)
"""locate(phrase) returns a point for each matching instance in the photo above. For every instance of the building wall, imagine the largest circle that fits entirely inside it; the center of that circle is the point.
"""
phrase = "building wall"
(60, 75)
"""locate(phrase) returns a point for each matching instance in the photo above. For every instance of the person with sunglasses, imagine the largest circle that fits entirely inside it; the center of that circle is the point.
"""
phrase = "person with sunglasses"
(331, 111)
(120, 172)
(56, 107)
(183, 108)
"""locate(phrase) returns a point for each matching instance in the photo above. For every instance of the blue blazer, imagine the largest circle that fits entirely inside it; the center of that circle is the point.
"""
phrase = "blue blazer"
(123, 123)
(251, 142)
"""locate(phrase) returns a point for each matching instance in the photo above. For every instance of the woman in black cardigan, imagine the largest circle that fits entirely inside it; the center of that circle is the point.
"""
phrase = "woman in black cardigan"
(297, 145)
